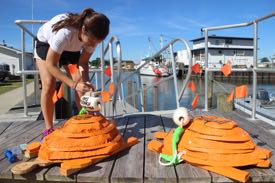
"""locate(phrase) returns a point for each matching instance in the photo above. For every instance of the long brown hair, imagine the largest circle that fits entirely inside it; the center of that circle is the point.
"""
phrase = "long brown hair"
(96, 24)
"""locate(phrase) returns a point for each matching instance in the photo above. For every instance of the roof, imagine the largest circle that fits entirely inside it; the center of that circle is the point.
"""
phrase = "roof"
(221, 48)
(9, 48)
(17, 51)
(222, 37)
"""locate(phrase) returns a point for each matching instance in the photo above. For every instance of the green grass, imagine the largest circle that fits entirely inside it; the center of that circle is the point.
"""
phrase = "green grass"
(11, 85)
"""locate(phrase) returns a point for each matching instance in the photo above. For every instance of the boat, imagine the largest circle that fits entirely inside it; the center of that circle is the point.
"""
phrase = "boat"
(153, 69)
(265, 105)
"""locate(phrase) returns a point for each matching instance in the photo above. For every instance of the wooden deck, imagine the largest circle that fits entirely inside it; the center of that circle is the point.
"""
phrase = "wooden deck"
(136, 164)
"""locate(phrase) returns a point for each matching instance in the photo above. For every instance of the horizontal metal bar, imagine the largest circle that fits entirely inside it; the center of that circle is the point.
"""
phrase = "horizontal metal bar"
(233, 69)
(30, 21)
(21, 22)
(27, 72)
(227, 26)
(271, 70)
(264, 17)
(136, 114)
(239, 25)
(95, 70)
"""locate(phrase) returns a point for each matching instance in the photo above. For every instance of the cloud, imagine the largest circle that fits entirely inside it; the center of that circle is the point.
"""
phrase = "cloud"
(248, 17)
(187, 24)
(61, 3)
(176, 25)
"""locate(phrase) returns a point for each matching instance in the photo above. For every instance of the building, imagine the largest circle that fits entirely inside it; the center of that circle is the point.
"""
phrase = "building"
(13, 58)
(128, 65)
(221, 49)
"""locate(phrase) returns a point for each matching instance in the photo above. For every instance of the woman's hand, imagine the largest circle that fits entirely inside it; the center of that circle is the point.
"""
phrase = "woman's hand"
(84, 86)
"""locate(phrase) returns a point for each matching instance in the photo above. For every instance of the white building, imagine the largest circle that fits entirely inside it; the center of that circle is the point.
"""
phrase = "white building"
(13, 58)
(221, 49)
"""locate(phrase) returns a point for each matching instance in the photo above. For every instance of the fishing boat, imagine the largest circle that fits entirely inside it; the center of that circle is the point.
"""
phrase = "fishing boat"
(153, 69)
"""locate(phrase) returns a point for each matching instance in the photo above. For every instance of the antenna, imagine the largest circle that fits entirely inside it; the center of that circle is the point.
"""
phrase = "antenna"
(161, 41)
(32, 15)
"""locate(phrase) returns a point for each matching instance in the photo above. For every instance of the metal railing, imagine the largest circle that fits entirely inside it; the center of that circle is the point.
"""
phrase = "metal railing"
(173, 76)
(113, 39)
(255, 58)
(24, 72)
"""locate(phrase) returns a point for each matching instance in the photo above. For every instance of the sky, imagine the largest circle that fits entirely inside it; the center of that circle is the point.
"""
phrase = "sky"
(137, 21)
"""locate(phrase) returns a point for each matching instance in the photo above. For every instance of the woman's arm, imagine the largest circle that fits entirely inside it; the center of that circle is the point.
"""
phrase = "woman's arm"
(84, 65)
(52, 62)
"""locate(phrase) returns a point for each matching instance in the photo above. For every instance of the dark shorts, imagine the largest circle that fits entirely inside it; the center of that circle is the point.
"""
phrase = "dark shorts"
(67, 57)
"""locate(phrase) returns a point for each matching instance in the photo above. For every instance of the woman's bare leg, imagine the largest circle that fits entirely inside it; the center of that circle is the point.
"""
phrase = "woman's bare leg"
(48, 88)
(75, 77)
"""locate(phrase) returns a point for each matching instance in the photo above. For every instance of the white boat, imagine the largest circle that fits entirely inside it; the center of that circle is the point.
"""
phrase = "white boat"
(265, 106)
(154, 69)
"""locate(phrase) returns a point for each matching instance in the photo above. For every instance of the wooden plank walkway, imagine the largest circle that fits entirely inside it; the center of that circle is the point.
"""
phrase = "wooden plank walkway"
(136, 164)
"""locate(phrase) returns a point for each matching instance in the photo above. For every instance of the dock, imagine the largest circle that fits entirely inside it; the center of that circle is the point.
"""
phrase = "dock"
(136, 164)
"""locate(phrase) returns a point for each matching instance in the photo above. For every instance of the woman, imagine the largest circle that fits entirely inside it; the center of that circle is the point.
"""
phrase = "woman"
(67, 39)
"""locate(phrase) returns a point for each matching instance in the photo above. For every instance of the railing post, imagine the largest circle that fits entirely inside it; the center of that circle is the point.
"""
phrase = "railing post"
(155, 93)
(111, 60)
(175, 76)
(122, 96)
(130, 92)
(210, 88)
(23, 69)
(144, 93)
(35, 78)
(102, 74)
(141, 93)
(206, 71)
(135, 95)
(96, 80)
(255, 55)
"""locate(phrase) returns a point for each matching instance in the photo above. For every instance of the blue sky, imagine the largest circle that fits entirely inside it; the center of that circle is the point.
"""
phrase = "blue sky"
(134, 21)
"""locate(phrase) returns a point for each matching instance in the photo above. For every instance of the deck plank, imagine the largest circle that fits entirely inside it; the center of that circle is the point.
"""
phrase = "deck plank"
(4, 127)
(129, 164)
(154, 172)
(119, 109)
(185, 171)
(16, 136)
(101, 171)
(38, 173)
(29, 133)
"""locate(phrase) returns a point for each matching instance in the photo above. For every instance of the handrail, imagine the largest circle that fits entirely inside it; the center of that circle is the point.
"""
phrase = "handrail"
(239, 25)
(20, 23)
(255, 50)
(188, 76)
(109, 48)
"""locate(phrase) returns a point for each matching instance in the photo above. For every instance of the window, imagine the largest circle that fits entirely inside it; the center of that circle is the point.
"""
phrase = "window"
(228, 41)
(217, 42)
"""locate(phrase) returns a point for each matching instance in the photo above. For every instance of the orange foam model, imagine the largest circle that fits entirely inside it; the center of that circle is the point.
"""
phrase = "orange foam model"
(215, 144)
(82, 141)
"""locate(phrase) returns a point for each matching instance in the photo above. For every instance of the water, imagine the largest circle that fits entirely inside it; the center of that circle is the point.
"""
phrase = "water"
(165, 94)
